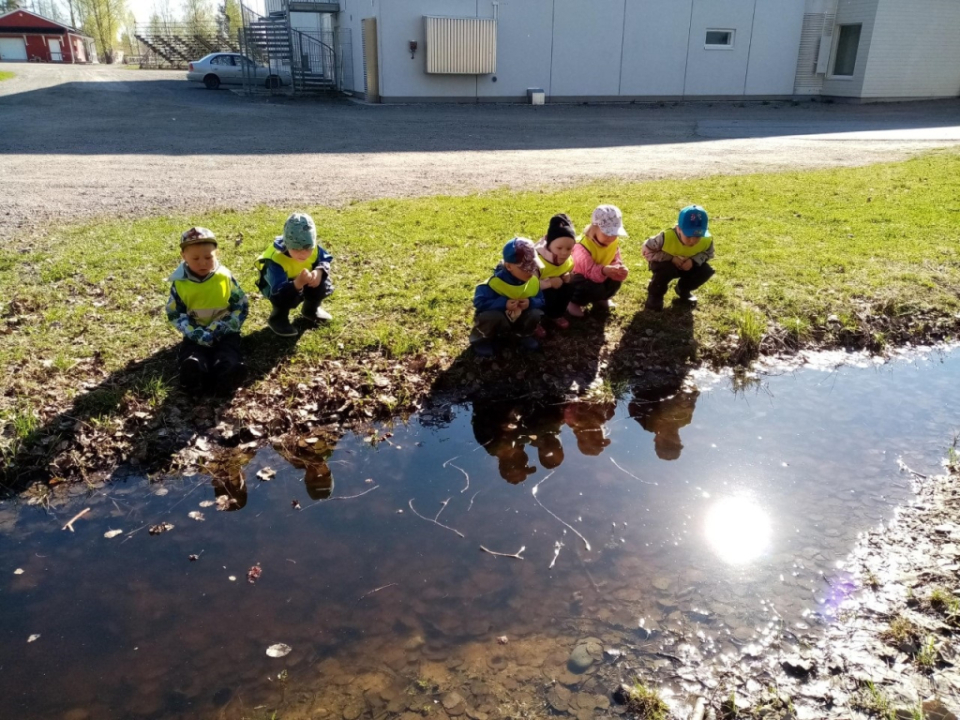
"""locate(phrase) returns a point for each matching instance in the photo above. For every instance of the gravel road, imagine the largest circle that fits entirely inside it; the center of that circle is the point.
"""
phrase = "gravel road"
(83, 141)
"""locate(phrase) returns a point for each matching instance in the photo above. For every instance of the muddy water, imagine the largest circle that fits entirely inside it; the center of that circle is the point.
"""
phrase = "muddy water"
(694, 529)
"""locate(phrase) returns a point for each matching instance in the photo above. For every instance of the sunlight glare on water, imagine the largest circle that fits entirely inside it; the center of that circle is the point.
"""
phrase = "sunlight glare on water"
(737, 530)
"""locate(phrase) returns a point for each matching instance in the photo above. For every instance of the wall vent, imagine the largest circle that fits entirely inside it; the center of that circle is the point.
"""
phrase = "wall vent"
(461, 46)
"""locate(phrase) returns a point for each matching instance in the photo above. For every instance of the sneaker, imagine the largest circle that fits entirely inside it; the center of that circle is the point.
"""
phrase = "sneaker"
(562, 323)
(539, 332)
(529, 343)
(317, 316)
(607, 304)
(574, 311)
(653, 305)
(690, 300)
(484, 348)
(279, 322)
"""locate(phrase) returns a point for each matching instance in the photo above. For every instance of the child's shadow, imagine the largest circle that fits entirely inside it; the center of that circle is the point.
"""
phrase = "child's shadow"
(662, 339)
(136, 416)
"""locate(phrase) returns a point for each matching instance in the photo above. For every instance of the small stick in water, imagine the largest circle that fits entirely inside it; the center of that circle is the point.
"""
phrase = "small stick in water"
(556, 553)
(375, 590)
(517, 555)
(450, 462)
(906, 468)
(348, 497)
(71, 521)
(431, 520)
(472, 499)
(647, 482)
(567, 525)
(443, 506)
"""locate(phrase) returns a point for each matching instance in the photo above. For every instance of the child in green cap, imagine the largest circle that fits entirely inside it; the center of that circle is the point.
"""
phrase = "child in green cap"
(295, 270)
(207, 305)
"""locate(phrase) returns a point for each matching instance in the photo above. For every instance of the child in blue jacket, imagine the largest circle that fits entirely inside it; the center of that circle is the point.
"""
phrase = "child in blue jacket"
(510, 302)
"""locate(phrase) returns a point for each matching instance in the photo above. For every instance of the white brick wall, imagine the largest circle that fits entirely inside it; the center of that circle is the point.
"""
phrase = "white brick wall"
(915, 50)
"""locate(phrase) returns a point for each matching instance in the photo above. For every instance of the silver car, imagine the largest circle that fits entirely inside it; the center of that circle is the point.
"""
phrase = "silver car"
(218, 69)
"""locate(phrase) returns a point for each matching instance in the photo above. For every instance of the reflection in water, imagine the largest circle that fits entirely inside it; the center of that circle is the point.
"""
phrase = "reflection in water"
(737, 530)
(588, 422)
(664, 418)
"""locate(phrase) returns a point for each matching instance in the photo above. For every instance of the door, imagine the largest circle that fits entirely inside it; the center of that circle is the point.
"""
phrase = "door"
(13, 49)
(55, 54)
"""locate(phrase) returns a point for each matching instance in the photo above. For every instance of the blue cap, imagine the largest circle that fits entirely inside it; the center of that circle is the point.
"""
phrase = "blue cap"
(693, 221)
(521, 251)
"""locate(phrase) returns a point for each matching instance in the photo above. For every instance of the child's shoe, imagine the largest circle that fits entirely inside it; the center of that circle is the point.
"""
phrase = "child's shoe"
(192, 374)
(562, 323)
(607, 304)
(529, 343)
(539, 332)
(688, 299)
(653, 304)
(279, 322)
(314, 314)
(484, 348)
(574, 311)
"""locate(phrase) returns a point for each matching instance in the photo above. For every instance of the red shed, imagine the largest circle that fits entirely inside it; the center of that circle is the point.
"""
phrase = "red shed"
(26, 36)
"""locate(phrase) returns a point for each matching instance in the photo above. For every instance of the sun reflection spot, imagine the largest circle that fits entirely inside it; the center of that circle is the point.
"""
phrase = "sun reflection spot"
(737, 530)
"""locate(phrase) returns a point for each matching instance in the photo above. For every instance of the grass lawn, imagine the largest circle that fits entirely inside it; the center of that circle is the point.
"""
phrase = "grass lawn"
(857, 257)
(6, 75)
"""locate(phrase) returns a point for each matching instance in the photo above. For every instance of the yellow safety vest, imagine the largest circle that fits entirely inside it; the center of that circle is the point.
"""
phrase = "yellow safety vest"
(208, 299)
(549, 270)
(673, 246)
(601, 254)
(290, 266)
(528, 290)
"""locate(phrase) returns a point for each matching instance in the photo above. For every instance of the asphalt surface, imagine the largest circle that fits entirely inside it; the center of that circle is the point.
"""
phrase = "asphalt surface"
(84, 141)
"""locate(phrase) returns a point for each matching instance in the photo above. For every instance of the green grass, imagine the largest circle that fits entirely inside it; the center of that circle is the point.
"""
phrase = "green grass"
(6, 75)
(645, 703)
(861, 257)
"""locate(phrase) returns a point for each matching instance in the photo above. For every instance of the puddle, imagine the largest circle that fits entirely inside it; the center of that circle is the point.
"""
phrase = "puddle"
(692, 528)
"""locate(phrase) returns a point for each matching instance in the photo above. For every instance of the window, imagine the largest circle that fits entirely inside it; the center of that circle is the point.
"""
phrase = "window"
(719, 39)
(848, 42)
(221, 60)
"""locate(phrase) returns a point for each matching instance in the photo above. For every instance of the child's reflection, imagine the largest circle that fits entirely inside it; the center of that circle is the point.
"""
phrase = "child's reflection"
(664, 418)
(505, 430)
(588, 422)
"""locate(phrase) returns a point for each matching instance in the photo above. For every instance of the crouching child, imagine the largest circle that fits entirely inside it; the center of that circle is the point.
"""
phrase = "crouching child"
(598, 270)
(682, 254)
(510, 303)
(208, 307)
(295, 270)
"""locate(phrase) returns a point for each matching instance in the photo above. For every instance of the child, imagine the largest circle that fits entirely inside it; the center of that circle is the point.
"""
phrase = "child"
(555, 249)
(510, 301)
(598, 270)
(207, 305)
(294, 270)
(681, 253)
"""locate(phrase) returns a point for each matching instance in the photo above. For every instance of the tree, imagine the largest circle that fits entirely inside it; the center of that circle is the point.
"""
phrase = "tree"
(229, 19)
(101, 20)
(197, 16)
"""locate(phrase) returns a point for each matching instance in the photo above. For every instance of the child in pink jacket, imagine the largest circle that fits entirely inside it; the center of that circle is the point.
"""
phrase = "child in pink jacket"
(598, 270)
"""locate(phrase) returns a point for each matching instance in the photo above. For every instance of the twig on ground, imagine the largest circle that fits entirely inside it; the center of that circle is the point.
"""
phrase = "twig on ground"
(450, 462)
(71, 521)
(472, 499)
(565, 524)
(375, 590)
(431, 520)
(517, 555)
(647, 482)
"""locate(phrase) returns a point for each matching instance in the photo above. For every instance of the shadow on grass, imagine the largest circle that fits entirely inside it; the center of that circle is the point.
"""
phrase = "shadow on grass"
(137, 417)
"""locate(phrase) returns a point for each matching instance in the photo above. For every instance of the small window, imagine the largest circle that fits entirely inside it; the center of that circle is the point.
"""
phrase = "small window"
(221, 60)
(848, 42)
(719, 39)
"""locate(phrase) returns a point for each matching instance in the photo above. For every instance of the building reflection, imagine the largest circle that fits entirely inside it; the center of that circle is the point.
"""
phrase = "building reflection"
(664, 416)
(505, 430)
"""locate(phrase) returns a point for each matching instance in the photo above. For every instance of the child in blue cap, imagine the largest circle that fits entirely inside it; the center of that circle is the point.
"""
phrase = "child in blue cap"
(510, 302)
(681, 253)
(294, 270)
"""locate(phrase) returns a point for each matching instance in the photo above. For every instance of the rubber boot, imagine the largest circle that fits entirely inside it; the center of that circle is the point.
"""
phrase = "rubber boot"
(312, 312)
(279, 322)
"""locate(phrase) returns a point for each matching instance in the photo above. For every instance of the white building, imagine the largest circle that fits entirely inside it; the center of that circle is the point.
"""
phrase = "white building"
(621, 50)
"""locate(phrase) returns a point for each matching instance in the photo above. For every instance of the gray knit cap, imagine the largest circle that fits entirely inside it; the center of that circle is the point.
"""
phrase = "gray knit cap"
(299, 232)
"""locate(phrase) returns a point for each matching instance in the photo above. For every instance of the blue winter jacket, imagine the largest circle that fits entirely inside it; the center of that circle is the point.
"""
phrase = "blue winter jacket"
(486, 298)
(274, 282)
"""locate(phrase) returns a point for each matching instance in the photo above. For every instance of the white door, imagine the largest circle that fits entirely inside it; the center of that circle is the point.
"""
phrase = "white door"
(55, 54)
(13, 49)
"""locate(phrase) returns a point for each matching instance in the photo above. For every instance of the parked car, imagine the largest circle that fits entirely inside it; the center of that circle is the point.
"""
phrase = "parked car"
(218, 69)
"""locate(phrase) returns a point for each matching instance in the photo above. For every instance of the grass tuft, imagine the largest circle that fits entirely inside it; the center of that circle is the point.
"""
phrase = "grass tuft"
(646, 703)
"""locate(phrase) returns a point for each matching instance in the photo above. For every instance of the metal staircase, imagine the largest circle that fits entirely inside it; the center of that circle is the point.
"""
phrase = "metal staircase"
(271, 42)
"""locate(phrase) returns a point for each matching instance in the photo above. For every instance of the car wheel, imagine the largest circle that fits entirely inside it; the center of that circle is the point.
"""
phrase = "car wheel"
(212, 82)
(272, 82)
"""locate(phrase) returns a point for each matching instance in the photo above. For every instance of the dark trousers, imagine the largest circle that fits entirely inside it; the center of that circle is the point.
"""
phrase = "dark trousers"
(490, 324)
(219, 367)
(311, 297)
(664, 272)
(557, 300)
(587, 291)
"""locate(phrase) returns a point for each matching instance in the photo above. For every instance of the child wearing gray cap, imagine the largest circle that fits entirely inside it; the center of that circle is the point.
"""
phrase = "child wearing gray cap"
(208, 307)
(295, 270)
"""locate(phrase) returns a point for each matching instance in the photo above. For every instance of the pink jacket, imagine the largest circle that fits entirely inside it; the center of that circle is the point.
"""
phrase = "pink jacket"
(583, 264)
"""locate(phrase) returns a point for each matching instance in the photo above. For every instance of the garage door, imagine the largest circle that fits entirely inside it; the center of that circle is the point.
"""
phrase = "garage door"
(13, 49)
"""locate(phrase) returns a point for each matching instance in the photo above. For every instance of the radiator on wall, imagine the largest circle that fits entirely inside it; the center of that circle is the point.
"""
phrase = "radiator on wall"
(460, 46)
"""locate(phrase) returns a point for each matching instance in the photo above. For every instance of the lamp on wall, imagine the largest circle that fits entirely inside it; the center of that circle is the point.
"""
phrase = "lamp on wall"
(413, 49)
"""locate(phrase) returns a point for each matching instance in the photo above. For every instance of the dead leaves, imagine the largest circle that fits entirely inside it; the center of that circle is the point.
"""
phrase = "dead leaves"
(160, 528)
(266, 474)
(112, 533)
(225, 502)
(254, 573)
(196, 515)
